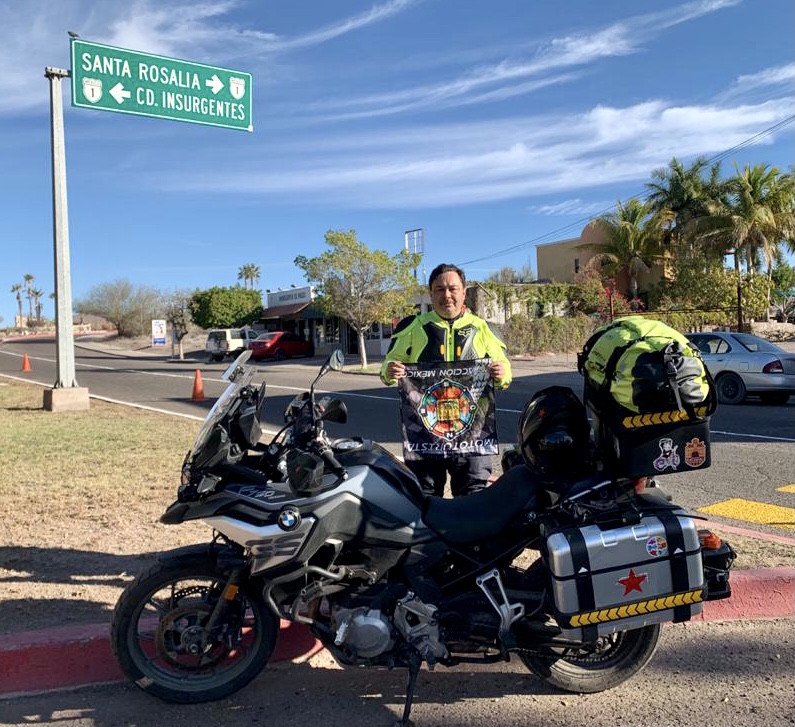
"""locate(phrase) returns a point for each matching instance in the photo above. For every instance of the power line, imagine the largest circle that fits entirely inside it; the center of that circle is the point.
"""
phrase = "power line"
(580, 223)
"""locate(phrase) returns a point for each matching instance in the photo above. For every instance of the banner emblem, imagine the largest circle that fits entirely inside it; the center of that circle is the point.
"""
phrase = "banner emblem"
(447, 410)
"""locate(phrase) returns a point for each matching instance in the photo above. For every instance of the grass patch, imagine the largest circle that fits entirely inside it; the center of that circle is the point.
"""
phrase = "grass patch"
(92, 478)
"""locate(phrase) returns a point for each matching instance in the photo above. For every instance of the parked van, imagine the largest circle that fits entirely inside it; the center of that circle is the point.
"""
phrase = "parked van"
(228, 342)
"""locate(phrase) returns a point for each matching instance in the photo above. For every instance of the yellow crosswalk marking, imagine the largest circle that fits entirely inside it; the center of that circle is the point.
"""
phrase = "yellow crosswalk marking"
(754, 512)
(786, 488)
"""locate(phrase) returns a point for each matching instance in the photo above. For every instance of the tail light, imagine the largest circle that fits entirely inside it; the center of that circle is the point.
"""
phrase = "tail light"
(640, 484)
(708, 540)
(774, 367)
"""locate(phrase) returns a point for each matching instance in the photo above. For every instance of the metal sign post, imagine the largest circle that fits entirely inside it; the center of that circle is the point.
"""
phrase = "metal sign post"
(66, 394)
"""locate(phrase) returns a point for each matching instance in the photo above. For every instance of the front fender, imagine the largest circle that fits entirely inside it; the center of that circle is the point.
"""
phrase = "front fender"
(225, 557)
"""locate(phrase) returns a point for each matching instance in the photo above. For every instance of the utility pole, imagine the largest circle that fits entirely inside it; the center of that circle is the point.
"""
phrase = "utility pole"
(65, 395)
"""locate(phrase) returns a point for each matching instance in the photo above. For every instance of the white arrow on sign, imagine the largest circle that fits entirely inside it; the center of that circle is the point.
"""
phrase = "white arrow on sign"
(214, 83)
(119, 93)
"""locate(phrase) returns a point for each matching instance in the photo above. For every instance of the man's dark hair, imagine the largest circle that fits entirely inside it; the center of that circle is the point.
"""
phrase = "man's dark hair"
(446, 268)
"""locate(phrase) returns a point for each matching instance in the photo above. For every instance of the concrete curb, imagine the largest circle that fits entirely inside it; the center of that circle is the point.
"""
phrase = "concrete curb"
(41, 661)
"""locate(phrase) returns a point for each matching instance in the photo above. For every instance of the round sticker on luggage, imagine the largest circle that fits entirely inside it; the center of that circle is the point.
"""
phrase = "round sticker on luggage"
(657, 546)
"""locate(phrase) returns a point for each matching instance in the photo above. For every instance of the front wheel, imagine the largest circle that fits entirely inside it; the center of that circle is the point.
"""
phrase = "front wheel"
(163, 641)
(606, 664)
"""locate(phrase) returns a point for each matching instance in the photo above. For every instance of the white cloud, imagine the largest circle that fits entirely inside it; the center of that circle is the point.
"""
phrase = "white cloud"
(574, 206)
(495, 160)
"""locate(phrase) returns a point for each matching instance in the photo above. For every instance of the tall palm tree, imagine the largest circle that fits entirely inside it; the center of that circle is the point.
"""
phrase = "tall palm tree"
(631, 241)
(17, 290)
(28, 278)
(248, 273)
(757, 217)
(37, 295)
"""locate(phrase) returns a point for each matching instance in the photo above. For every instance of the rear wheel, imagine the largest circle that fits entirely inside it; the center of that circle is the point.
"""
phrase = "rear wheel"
(163, 641)
(731, 389)
(279, 355)
(606, 664)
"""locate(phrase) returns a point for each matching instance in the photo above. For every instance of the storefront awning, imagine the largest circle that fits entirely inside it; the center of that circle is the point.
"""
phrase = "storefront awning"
(283, 311)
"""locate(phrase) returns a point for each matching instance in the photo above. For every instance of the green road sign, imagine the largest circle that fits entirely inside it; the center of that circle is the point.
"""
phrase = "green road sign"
(128, 82)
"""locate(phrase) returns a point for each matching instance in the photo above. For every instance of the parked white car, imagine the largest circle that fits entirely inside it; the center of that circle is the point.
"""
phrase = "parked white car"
(228, 342)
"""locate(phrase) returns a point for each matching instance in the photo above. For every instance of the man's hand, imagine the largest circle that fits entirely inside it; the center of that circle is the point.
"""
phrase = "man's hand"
(395, 369)
(497, 369)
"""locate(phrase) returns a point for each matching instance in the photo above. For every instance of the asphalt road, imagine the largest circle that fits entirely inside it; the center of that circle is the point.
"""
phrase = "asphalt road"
(753, 443)
(709, 675)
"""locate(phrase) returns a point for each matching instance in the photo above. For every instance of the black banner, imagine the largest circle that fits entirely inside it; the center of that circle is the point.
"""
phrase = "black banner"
(447, 409)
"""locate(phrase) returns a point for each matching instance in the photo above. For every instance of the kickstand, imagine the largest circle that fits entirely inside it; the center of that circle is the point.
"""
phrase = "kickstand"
(415, 660)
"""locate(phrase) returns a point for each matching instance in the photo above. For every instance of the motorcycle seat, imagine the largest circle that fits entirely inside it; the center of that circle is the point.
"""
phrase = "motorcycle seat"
(485, 514)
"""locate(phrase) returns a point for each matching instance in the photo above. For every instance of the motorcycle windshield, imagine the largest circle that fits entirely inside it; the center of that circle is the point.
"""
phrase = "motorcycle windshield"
(239, 375)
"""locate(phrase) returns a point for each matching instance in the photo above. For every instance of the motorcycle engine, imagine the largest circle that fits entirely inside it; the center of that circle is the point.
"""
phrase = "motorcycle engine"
(365, 632)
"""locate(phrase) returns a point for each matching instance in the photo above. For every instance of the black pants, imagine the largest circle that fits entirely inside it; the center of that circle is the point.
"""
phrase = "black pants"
(467, 474)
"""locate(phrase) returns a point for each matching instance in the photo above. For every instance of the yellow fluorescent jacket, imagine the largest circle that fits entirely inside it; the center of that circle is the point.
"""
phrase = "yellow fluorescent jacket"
(429, 338)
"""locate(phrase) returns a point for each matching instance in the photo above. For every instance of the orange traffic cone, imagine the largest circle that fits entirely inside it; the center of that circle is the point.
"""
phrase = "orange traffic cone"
(198, 387)
(25, 363)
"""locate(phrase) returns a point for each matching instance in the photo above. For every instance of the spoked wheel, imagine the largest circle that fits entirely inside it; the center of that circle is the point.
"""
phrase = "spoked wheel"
(605, 664)
(163, 639)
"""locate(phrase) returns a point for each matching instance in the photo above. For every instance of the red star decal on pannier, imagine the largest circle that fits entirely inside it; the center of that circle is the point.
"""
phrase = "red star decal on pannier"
(632, 582)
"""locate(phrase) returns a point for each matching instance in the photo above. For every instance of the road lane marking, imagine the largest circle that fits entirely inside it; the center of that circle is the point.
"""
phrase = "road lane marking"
(786, 488)
(760, 513)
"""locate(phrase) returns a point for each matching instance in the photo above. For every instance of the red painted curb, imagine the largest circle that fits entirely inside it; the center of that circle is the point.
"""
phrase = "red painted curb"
(756, 594)
(41, 661)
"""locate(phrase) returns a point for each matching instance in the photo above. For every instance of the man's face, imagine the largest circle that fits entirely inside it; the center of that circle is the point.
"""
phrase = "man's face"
(447, 294)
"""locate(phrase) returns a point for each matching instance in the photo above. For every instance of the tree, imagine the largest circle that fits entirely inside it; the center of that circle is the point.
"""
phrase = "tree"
(680, 195)
(16, 289)
(225, 307)
(37, 295)
(632, 241)
(128, 307)
(757, 217)
(28, 278)
(178, 314)
(249, 274)
(360, 285)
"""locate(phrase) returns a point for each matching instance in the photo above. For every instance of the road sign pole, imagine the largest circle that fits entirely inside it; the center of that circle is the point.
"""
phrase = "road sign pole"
(65, 353)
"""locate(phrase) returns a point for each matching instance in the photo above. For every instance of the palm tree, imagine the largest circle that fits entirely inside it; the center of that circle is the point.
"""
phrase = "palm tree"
(248, 273)
(757, 217)
(682, 194)
(17, 290)
(632, 241)
(37, 295)
(28, 278)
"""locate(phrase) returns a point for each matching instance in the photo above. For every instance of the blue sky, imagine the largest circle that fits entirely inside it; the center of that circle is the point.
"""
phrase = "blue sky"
(492, 126)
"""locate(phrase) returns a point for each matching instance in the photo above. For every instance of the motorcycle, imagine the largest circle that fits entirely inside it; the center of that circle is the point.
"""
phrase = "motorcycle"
(338, 535)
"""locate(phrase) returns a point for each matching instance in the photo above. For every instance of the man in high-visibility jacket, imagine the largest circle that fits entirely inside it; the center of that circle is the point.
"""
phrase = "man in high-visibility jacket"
(447, 333)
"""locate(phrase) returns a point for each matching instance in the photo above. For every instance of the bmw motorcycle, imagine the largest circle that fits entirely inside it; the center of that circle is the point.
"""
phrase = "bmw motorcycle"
(338, 535)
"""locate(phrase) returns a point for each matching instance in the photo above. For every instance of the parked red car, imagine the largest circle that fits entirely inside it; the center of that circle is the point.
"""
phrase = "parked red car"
(280, 345)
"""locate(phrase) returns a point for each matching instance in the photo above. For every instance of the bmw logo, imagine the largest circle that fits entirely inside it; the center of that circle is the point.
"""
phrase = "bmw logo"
(289, 519)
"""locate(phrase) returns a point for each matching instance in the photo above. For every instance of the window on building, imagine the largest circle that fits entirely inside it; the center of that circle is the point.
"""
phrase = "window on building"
(576, 265)
(332, 330)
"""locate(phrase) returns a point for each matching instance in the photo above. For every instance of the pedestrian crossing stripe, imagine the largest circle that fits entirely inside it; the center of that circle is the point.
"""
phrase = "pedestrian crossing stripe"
(637, 609)
(660, 417)
(760, 513)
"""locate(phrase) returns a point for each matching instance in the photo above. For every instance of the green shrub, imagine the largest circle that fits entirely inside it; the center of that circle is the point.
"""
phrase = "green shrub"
(550, 333)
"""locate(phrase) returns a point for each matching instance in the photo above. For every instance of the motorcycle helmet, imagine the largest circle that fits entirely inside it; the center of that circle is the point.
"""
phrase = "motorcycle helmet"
(554, 435)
